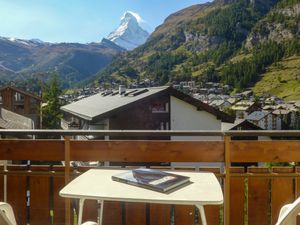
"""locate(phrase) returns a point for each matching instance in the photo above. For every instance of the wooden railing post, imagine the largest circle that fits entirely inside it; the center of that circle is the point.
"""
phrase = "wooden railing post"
(67, 179)
(227, 140)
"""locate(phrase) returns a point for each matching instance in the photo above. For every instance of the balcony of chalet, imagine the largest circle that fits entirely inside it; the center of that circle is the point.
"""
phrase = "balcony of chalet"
(34, 170)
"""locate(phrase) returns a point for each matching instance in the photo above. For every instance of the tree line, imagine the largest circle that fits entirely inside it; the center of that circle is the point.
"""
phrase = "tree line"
(247, 71)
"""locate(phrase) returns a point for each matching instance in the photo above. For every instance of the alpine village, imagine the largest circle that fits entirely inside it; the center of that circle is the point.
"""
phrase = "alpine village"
(212, 91)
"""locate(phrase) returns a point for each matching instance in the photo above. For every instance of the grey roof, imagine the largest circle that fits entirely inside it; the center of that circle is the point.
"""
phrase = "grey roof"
(232, 100)
(257, 115)
(237, 122)
(297, 103)
(11, 120)
(101, 103)
(269, 107)
(281, 112)
(217, 102)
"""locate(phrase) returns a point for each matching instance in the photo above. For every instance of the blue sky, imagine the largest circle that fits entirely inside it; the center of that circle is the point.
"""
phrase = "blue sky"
(79, 20)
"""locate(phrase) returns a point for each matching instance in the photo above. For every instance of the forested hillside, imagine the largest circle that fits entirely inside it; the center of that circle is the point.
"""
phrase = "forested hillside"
(26, 62)
(232, 41)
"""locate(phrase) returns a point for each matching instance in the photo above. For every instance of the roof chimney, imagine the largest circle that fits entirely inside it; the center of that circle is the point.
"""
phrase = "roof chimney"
(122, 89)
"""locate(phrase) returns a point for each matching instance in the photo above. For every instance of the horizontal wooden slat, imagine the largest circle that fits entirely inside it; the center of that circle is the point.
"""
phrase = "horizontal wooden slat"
(265, 151)
(151, 151)
(148, 151)
(278, 133)
(42, 150)
(118, 133)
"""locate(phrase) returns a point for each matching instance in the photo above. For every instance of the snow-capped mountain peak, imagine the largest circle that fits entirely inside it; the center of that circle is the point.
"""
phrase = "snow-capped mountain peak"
(24, 42)
(129, 34)
(129, 17)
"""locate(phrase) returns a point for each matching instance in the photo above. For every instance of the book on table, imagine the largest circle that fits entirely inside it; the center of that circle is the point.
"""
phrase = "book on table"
(151, 179)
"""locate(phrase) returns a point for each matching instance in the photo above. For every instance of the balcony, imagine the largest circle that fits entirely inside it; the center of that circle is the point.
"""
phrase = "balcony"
(252, 195)
(68, 125)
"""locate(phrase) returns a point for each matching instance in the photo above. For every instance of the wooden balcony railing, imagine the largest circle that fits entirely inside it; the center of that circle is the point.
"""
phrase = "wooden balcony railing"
(253, 195)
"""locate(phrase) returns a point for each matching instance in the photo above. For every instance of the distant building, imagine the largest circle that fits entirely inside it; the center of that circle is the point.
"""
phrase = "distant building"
(21, 102)
(11, 120)
(288, 117)
(244, 107)
(241, 124)
(232, 100)
(247, 94)
(220, 104)
(265, 120)
(156, 108)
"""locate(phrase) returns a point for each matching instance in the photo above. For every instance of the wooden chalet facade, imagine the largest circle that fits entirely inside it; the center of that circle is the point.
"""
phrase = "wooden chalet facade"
(21, 102)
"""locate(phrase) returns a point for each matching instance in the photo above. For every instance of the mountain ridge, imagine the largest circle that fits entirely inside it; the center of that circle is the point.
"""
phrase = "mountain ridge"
(199, 42)
(20, 58)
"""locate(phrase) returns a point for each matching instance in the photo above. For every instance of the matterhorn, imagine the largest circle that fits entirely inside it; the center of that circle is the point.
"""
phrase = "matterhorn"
(129, 34)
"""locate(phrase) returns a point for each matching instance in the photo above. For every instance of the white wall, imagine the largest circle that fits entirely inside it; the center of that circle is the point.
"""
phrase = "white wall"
(186, 117)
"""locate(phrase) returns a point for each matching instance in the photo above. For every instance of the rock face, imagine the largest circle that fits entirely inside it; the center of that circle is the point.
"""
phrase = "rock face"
(273, 29)
(129, 34)
(293, 10)
(200, 43)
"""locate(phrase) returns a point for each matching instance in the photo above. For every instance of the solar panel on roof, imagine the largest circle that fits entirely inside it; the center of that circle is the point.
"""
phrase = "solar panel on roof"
(115, 93)
(130, 92)
(107, 92)
(138, 92)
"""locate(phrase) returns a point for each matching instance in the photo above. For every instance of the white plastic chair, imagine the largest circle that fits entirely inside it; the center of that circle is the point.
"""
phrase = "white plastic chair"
(90, 223)
(7, 216)
(288, 213)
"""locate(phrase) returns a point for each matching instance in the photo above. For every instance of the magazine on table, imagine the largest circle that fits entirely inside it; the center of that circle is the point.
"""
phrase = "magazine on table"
(151, 179)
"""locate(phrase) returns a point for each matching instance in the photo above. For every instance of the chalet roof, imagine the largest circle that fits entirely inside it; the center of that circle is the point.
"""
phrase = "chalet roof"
(281, 112)
(257, 115)
(297, 104)
(246, 93)
(284, 106)
(269, 107)
(11, 120)
(99, 104)
(217, 102)
(20, 91)
(243, 105)
(232, 100)
(247, 125)
(103, 104)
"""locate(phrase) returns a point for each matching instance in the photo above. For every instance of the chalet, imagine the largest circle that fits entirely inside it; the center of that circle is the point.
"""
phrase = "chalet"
(220, 104)
(232, 100)
(155, 108)
(287, 116)
(244, 107)
(21, 102)
(240, 124)
(265, 120)
(247, 94)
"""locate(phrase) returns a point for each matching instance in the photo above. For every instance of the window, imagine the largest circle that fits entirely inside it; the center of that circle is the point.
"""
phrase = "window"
(19, 97)
(160, 107)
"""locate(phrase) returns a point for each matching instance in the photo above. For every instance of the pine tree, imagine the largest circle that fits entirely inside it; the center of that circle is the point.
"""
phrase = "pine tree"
(51, 114)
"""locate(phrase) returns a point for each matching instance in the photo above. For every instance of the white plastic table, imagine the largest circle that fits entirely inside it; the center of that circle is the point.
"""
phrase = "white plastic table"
(97, 184)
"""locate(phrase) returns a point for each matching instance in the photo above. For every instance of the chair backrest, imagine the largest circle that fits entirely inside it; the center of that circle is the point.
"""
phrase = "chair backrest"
(288, 213)
(7, 216)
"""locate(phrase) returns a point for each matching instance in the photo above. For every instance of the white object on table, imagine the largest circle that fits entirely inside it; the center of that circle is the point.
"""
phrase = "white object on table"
(97, 184)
